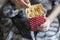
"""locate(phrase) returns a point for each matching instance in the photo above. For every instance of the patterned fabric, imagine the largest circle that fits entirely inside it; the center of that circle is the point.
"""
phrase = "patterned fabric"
(8, 11)
(14, 17)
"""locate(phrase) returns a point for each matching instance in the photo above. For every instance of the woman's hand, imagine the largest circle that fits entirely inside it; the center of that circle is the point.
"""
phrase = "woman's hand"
(45, 26)
(55, 12)
(22, 3)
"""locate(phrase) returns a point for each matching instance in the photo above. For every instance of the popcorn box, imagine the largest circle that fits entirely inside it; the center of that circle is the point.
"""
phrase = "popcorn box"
(35, 15)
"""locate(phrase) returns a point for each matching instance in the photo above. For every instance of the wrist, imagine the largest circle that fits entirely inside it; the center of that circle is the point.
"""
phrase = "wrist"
(48, 20)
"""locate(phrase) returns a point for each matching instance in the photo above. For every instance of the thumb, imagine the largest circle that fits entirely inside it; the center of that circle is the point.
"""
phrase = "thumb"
(26, 3)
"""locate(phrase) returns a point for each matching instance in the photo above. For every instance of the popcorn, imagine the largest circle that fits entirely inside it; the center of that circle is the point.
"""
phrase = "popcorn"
(35, 16)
